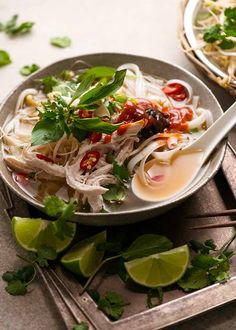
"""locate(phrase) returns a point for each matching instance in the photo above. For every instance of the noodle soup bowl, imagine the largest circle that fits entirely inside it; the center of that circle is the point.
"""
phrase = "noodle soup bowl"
(132, 209)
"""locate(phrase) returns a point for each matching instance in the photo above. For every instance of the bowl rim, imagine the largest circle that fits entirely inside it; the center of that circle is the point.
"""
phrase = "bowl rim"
(177, 200)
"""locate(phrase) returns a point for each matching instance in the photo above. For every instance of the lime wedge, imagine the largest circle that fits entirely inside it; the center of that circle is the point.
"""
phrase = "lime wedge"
(33, 233)
(159, 269)
(83, 258)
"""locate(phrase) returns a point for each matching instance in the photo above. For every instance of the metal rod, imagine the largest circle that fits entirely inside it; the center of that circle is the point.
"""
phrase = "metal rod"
(216, 225)
(212, 214)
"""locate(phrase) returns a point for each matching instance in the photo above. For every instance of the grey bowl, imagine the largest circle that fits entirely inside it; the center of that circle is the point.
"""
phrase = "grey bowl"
(135, 210)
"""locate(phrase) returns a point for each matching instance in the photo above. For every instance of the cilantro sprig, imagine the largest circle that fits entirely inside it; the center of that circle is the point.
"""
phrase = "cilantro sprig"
(11, 27)
(221, 33)
(29, 69)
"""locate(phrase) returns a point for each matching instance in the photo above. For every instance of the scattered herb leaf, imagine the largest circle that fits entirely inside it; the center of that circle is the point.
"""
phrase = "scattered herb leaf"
(29, 69)
(81, 326)
(4, 58)
(116, 193)
(12, 28)
(61, 42)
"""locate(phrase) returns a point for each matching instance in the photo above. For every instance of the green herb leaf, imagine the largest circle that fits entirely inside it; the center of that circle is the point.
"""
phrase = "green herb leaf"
(24, 274)
(146, 245)
(227, 44)
(48, 83)
(204, 261)
(54, 205)
(194, 279)
(81, 326)
(94, 294)
(61, 42)
(83, 86)
(46, 131)
(29, 69)
(112, 304)
(120, 171)
(16, 288)
(100, 92)
(116, 193)
(154, 293)
(98, 72)
(213, 33)
(11, 27)
(204, 248)
(4, 58)
(94, 124)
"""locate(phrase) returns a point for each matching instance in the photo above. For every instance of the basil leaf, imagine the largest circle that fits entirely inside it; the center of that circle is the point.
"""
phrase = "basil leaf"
(61, 42)
(46, 131)
(83, 86)
(11, 27)
(99, 92)
(28, 69)
(116, 193)
(4, 58)
(146, 245)
(98, 72)
(95, 124)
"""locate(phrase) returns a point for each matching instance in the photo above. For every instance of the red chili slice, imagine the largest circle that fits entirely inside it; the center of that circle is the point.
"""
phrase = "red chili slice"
(95, 137)
(45, 158)
(107, 138)
(89, 160)
(176, 91)
(123, 128)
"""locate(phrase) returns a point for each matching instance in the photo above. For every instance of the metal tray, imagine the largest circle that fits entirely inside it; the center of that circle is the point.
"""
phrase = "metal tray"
(218, 194)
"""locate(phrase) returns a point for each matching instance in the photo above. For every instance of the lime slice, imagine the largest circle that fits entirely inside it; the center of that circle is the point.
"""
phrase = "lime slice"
(33, 233)
(84, 258)
(159, 269)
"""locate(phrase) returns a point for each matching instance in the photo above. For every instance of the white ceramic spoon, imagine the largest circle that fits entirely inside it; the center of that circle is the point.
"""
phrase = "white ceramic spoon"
(168, 180)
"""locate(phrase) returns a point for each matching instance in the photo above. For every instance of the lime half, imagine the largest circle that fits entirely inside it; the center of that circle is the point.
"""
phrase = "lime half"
(161, 269)
(33, 233)
(83, 258)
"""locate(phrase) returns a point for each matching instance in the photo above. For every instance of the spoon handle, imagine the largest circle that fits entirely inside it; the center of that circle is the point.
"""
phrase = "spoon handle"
(216, 132)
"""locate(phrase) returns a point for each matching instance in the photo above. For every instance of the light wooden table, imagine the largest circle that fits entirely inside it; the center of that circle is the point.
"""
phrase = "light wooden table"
(146, 28)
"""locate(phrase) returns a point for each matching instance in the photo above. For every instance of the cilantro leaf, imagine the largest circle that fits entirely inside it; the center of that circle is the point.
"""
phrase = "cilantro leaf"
(193, 279)
(226, 44)
(116, 193)
(120, 171)
(4, 58)
(16, 288)
(154, 293)
(29, 69)
(61, 42)
(64, 211)
(204, 248)
(100, 92)
(112, 305)
(48, 83)
(81, 326)
(213, 33)
(146, 245)
(11, 27)
(204, 261)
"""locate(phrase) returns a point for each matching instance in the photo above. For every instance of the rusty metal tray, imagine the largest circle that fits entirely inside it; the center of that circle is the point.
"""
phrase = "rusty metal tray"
(219, 194)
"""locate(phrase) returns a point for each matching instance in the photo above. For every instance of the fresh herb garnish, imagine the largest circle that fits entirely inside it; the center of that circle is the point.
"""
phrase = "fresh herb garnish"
(19, 280)
(98, 72)
(205, 268)
(56, 207)
(221, 33)
(155, 293)
(111, 304)
(48, 83)
(116, 193)
(120, 171)
(4, 58)
(12, 28)
(81, 326)
(29, 69)
(43, 255)
(61, 42)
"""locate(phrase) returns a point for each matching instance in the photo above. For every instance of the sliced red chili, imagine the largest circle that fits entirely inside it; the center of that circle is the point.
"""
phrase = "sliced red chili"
(89, 160)
(95, 137)
(107, 138)
(123, 128)
(176, 91)
(45, 158)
